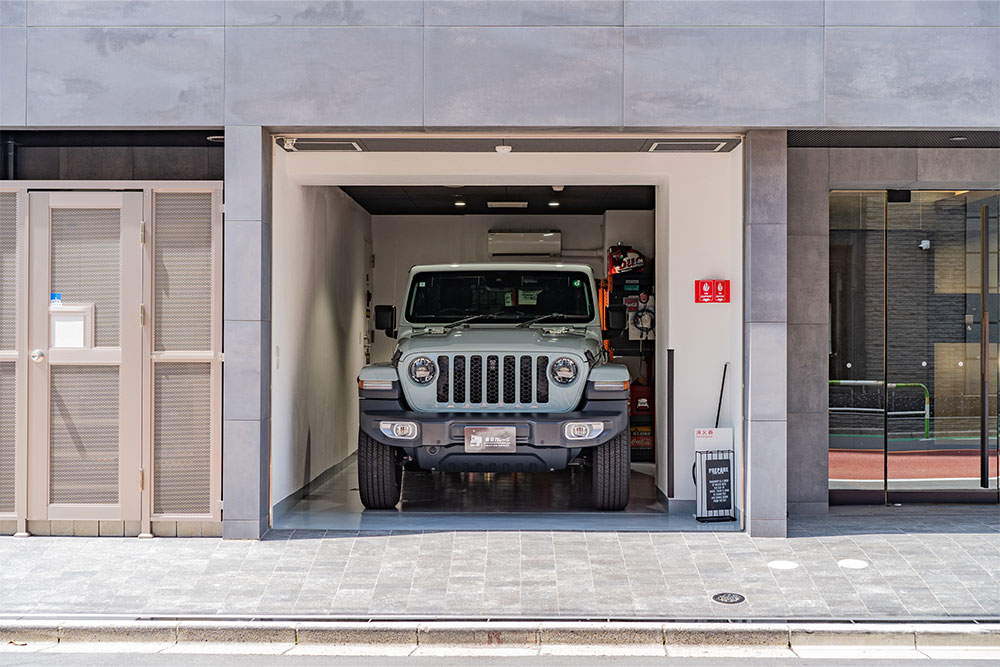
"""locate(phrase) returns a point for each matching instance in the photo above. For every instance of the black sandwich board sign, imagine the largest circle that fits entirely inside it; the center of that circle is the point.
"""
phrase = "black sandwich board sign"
(714, 482)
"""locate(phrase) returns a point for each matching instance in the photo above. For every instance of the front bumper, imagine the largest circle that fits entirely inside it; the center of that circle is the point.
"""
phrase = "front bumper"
(533, 428)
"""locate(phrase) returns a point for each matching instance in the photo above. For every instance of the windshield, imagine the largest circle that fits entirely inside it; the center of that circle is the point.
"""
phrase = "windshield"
(508, 296)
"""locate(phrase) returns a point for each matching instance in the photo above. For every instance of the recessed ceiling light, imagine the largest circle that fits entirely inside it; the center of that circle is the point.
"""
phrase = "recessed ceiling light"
(958, 137)
(558, 188)
(503, 149)
(553, 204)
(216, 138)
(460, 203)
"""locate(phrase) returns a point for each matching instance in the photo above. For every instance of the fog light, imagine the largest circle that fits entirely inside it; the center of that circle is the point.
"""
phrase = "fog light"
(583, 430)
(399, 430)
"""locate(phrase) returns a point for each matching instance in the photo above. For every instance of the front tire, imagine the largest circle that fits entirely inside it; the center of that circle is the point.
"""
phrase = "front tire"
(380, 474)
(611, 471)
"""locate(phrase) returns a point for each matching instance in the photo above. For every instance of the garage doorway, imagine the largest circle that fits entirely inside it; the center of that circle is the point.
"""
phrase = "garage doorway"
(344, 241)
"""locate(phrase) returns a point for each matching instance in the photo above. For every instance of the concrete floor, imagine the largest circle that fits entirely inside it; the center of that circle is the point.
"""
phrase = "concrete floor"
(488, 501)
(910, 562)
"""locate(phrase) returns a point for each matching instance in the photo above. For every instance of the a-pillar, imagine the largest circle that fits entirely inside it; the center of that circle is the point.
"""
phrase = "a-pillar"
(765, 335)
(246, 404)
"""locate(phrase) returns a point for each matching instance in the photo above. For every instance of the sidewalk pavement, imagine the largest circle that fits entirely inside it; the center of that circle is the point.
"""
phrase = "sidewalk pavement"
(862, 564)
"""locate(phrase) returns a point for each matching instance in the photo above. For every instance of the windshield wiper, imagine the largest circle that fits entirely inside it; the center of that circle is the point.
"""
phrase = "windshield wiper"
(528, 323)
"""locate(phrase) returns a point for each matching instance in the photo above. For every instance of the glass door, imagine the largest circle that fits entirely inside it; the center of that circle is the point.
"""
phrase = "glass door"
(914, 345)
(941, 352)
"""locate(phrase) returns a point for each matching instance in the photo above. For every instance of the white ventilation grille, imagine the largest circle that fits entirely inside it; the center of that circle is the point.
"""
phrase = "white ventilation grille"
(7, 436)
(183, 271)
(86, 265)
(8, 270)
(83, 455)
(182, 438)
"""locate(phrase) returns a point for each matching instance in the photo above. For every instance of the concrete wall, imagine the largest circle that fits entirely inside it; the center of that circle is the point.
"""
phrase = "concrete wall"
(464, 63)
(812, 173)
(319, 263)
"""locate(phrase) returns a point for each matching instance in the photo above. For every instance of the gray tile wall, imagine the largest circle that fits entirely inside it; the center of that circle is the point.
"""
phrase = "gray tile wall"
(486, 63)
(246, 409)
(765, 331)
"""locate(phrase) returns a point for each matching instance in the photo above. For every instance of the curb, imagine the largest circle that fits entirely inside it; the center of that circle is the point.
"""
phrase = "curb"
(681, 636)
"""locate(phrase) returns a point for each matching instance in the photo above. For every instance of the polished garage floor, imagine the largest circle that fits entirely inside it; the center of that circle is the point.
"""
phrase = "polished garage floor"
(487, 501)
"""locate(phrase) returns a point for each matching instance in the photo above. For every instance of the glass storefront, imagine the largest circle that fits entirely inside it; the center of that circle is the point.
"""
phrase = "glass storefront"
(914, 311)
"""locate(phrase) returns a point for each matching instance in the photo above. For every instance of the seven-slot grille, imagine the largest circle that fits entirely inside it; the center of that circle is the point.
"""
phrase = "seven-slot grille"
(492, 379)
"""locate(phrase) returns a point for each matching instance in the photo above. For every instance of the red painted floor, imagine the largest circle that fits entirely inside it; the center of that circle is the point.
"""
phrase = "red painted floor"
(866, 465)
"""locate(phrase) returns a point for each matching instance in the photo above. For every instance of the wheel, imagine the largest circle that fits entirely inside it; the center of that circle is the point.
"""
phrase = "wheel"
(611, 470)
(380, 474)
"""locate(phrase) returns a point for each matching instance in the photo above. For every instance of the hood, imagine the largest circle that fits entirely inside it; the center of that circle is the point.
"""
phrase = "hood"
(483, 339)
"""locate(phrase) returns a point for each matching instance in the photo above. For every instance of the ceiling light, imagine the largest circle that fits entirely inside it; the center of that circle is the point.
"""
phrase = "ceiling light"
(217, 138)
(460, 203)
(558, 188)
(958, 137)
(507, 204)
(553, 204)
(503, 149)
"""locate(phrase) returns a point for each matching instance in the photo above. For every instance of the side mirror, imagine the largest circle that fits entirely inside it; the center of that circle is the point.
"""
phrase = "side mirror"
(615, 319)
(385, 319)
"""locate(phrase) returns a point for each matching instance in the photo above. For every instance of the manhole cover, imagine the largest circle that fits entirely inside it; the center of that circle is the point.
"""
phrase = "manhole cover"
(728, 598)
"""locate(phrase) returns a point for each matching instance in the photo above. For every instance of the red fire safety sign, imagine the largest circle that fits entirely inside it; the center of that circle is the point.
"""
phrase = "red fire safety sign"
(711, 291)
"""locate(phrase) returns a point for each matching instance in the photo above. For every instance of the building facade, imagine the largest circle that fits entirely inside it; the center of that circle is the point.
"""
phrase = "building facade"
(790, 144)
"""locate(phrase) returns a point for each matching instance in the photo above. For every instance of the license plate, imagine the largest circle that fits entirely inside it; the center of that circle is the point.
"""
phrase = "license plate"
(490, 439)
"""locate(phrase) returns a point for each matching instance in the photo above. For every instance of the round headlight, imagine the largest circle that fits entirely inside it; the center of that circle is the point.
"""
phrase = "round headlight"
(563, 370)
(422, 370)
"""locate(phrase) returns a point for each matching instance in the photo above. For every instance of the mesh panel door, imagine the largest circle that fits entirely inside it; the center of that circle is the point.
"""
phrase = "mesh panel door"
(182, 433)
(8, 343)
(83, 436)
(86, 265)
(183, 271)
(184, 274)
(8, 270)
(7, 435)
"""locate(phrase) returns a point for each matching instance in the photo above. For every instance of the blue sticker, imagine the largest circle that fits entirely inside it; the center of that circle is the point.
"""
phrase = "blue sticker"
(55, 298)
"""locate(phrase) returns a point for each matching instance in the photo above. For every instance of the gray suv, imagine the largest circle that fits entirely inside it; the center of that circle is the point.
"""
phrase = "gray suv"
(497, 368)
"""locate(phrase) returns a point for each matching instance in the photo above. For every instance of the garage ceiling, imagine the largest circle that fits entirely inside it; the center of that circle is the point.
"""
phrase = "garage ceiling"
(440, 200)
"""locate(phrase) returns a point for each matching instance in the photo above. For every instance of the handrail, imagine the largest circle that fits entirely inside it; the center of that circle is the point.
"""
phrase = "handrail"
(895, 385)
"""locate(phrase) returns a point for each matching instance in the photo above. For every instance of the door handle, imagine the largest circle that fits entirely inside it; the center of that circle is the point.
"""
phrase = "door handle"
(37, 355)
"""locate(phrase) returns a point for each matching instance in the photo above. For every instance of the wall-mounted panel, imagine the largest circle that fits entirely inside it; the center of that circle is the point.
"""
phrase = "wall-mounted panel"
(723, 12)
(723, 76)
(519, 13)
(522, 77)
(889, 77)
(325, 13)
(125, 13)
(12, 76)
(125, 76)
(323, 76)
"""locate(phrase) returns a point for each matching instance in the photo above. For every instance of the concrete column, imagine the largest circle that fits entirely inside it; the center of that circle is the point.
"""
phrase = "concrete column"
(765, 333)
(808, 330)
(246, 405)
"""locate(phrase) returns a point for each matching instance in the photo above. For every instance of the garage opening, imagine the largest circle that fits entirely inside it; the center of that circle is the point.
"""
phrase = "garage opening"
(519, 285)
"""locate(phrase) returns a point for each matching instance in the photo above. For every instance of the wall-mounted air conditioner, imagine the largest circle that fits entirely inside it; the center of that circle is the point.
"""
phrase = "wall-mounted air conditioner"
(537, 243)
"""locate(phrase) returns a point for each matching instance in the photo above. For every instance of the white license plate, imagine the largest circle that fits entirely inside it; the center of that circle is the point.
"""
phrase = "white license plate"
(490, 439)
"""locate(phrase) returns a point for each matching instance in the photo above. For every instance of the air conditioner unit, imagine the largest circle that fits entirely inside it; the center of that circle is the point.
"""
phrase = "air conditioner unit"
(526, 243)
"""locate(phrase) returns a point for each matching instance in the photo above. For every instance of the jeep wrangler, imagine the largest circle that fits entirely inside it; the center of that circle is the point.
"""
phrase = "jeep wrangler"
(497, 368)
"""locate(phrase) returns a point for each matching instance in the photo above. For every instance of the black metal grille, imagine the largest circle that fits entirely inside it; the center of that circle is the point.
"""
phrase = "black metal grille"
(460, 379)
(492, 379)
(509, 380)
(442, 383)
(476, 380)
(542, 380)
(526, 379)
